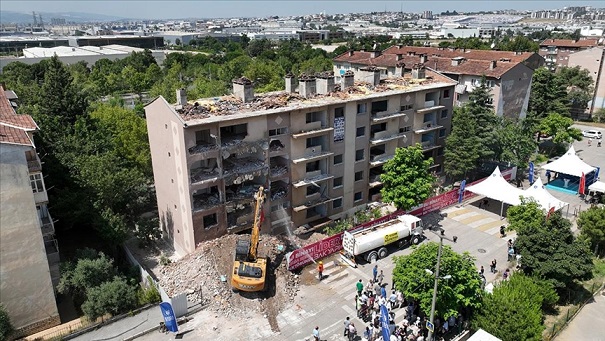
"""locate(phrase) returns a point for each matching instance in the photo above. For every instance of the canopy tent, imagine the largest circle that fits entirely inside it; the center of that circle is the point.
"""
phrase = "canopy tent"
(597, 186)
(538, 192)
(497, 188)
(569, 164)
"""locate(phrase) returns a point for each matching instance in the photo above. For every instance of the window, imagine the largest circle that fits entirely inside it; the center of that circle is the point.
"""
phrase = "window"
(490, 83)
(278, 131)
(440, 151)
(357, 196)
(407, 107)
(405, 129)
(337, 159)
(337, 203)
(339, 112)
(210, 220)
(444, 113)
(337, 182)
(380, 106)
(36, 182)
(314, 141)
(312, 166)
(475, 82)
(312, 190)
(361, 131)
(442, 133)
(313, 116)
(359, 154)
(490, 101)
(359, 176)
(446, 93)
(362, 108)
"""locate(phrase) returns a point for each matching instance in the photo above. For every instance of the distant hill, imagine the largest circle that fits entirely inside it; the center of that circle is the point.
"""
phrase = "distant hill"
(75, 17)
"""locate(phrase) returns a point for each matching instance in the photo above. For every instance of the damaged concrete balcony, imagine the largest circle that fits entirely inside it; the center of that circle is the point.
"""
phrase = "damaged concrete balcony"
(241, 192)
(429, 145)
(278, 166)
(279, 190)
(239, 170)
(202, 148)
(377, 160)
(206, 198)
(33, 161)
(204, 170)
(310, 204)
(239, 216)
(312, 180)
(429, 106)
(426, 127)
(314, 132)
(276, 145)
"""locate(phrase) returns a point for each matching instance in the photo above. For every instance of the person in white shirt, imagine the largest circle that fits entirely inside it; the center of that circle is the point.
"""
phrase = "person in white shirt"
(316, 333)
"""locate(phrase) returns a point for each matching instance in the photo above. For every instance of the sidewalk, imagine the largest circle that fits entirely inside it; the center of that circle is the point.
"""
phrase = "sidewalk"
(124, 328)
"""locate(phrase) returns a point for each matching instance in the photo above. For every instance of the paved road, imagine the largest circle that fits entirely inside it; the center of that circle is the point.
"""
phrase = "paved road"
(589, 324)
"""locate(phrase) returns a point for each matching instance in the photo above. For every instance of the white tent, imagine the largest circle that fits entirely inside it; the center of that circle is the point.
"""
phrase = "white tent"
(543, 197)
(569, 164)
(497, 188)
(482, 335)
(597, 186)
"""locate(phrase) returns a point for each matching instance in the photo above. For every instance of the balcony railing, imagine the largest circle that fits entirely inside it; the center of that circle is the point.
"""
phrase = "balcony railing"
(312, 203)
(381, 138)
(428, 145)
(385, 115)
(313, 132)
(47, 226)
(312, 153)
(426, 127)
(380, 159)
(312, 180)
(375, 181)
(429, 108)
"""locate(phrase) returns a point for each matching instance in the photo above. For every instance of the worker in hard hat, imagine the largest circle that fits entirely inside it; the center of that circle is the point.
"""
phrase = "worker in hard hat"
(320, 269)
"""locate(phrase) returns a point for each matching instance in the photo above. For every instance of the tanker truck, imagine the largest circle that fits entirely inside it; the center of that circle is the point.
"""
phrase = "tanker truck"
(370, 243)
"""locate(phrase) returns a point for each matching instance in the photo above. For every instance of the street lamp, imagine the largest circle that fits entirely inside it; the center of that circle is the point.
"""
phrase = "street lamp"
(446, 277)
(441, 238)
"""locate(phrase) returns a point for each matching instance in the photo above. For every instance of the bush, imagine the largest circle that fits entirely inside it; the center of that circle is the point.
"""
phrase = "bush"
(6, 327)
(148, 295)
(113, 297)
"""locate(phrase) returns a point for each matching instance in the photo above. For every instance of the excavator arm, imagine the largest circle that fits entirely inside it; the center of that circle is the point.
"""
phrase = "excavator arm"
(260, 198)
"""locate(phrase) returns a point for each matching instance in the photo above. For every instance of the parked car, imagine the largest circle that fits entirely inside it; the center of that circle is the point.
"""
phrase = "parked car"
(593, 134)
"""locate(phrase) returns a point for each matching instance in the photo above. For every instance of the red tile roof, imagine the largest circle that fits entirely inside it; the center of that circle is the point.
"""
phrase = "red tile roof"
(9, 117)
(474, 63)
(570, 43)
(12, 135)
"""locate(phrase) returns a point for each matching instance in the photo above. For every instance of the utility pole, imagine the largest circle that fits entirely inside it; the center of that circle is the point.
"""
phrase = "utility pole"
(432, 317)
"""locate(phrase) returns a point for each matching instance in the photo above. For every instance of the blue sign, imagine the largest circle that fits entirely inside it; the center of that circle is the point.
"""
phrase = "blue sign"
(384, 322)
(461, 194)
(596, 173)
(169, 318)
(531, 172)
(430, 326)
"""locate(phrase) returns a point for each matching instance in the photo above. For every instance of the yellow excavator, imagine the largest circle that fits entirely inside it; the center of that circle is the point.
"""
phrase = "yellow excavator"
(249, 271)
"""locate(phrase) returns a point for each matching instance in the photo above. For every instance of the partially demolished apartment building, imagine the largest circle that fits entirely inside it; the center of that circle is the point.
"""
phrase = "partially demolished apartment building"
(318, 149)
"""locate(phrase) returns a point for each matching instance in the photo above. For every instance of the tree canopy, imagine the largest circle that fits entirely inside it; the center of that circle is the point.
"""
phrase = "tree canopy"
(111, 297)
(560, 128)
(463, 290)
(6, 327)
(515, 309)
(592, 227)
(406, 178)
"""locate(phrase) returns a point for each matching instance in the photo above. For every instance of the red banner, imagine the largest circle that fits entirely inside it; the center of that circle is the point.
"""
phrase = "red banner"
(308, 254)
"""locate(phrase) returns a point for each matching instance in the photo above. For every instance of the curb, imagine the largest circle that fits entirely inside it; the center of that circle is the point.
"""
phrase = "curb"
(180, 320)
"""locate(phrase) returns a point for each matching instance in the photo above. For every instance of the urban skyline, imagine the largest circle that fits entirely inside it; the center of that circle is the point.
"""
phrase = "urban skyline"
(222, 9)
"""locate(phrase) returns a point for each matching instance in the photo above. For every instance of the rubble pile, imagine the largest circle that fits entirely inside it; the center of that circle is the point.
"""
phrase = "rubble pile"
(205, 200)
(202, 148)
(278, 170)
(203, 173)
(205, 276)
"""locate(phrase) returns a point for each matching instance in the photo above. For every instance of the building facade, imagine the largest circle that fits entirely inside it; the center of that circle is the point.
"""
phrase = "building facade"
(29, 255)
(318, 151)
(592, 59)
(508, 74)
(556, 52)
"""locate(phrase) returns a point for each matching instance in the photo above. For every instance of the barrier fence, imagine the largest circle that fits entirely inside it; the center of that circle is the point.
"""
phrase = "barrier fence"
(325, 247)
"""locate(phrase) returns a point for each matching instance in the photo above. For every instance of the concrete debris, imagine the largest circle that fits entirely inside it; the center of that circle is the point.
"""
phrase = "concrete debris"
(203, 173)
(278, 170)
(205, 277)
(202, 148)
(278, 192)
(205, 200)
(244, 169)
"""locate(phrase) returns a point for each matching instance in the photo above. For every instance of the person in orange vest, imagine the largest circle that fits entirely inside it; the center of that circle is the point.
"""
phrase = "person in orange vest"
(320, 269)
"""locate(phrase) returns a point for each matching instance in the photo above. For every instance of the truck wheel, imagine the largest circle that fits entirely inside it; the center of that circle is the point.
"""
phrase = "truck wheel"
(372, 257)
(415, 240)
(382, 252)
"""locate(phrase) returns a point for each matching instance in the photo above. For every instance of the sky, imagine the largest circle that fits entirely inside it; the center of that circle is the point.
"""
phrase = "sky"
(167, 9)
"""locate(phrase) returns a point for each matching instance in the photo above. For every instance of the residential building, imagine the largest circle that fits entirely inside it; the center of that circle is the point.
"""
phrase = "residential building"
(508, 74)
(593, 60)
(318, 151)
(556, 51)
(29, 256)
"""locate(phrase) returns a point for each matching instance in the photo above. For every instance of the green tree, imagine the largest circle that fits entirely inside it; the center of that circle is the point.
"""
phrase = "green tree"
(482, 112)
(592, 227)
(148, 231)
(599, 115)
(406, 178)
(560, 128)
(548, 94)
(85, 273)
(514, 310)
(515, 143)
(461, 145)
(525, 217)
(112, 297)
(550, 251)
(6, 327)
(461, 291)
(579, 85)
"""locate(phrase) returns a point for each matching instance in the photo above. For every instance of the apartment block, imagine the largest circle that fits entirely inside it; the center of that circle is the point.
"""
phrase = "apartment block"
(593, 60)
(556, 52)
(508, 74)
(29, 255)
(318, 148)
